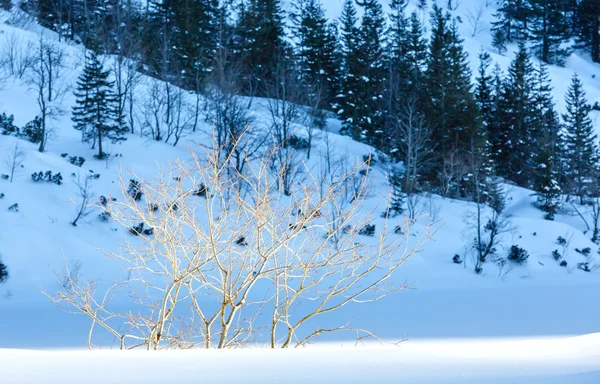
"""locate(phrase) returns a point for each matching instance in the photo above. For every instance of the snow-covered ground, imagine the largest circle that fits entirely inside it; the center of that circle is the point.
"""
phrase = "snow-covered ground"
(524, 361)
(459, 327)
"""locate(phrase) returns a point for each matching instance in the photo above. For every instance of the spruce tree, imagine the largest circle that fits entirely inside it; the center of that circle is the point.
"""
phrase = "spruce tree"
(372, 66)
(511, 23)
(484, 90)
(362, 99)
(316, 51)
(350, 74)
(96, 110)
(550, 30)
(581, 149)
(546, 142)
(260, 43)
(588, 27)
(516, 117)
(447, 101)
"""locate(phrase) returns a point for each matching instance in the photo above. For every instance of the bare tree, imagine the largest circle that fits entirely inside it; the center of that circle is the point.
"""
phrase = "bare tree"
(219, 272)
(418, 152)
(44, 79)
(454, 168)
(14, 160)
(488, 226)
(285, 92)
(17, 57)
(474, 18)
(85, 195)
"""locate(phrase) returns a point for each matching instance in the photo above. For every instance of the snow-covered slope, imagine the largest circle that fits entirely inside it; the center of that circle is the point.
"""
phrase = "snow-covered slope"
(539, 298)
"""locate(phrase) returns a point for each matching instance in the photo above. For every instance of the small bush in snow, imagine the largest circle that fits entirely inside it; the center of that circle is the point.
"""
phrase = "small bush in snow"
(77, 160)
(103, 201)
(369, 159)
(7, 124)
(298, 142)
(5, 177)
(104, 216)
(241, 241)
(14, 207)
(63, 155)
(456, 259)
(201, 191)
(561, 240)
(135, 190)
(3, 272)
(152, 207)
(556, 255)
(518, 255)
(367, 230)
(2, 195)
(33, 130)
(47, 177)
(398, 230)
(585, 251)
(563, 263)
(584, 267)
(140, 229)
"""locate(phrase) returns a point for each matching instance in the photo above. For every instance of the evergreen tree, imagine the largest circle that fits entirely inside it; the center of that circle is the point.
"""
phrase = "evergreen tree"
(581, 150)
(316, 51)
(96, 108)
(511, 23)
(484, 90)
(550, 30)
(546, 141)
(363, 82)
(260, 43)
(516, 116)
(447, 101)
(588, 27)
(397, 198)
(350, 74)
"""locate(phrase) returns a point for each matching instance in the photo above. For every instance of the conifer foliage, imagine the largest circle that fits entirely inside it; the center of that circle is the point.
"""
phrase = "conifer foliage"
(581, 148)
(96, 110)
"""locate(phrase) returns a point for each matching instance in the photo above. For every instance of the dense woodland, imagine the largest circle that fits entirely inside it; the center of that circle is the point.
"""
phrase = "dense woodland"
(410, 96)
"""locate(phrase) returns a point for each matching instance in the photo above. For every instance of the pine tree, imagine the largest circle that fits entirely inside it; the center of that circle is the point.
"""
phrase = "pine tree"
(350, 73)
(588, 28)
(397, 198)
(484, 90)
(316, 51)
(96, 108)
(195, 38)
(447, 101)
(372, 65)
(550, 30)
(363, 81)
(260, 43)
(516, 119)
(511, 23)
(581, 149)
(546, 141)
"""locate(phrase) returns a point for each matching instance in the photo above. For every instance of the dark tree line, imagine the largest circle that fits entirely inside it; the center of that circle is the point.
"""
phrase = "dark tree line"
(409, 96)
(549, 25)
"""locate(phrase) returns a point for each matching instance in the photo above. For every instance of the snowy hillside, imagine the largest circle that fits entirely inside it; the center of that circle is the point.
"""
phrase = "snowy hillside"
(447, 300)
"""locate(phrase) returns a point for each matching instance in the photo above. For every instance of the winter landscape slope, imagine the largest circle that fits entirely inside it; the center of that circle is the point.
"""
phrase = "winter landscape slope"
(539, 298)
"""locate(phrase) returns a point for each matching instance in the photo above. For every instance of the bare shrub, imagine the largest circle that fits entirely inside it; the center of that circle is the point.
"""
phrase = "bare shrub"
(194, 284)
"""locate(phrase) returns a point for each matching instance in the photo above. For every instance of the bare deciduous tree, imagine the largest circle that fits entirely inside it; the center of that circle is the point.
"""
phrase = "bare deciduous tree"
(219, 272)
(17, 57)
(84, 207)
(14, 160)
(474, 18)
(417, 152)
(44, 79)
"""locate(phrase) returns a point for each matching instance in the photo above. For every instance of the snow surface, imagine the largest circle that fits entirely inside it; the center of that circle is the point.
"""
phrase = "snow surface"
(506, 325)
